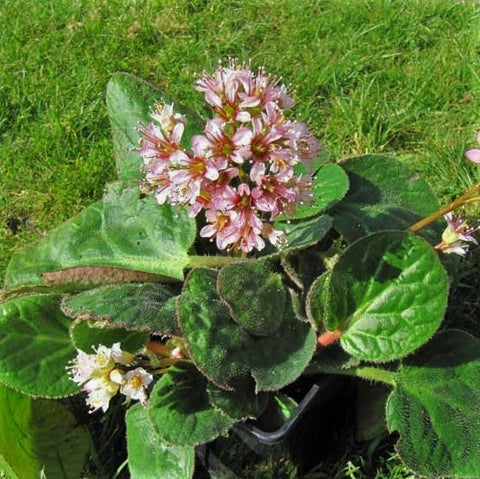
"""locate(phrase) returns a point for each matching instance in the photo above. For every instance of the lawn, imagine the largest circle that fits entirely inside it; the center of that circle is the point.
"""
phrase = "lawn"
(397, 77)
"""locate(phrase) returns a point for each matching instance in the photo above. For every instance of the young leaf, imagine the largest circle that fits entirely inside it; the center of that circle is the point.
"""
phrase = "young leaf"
(387, 294)
(180, 411)
(35, 346)
(40, 436)
(123, 230)
(384, 194)
(148, 456)
(434, 407)
(260, 307)
(147, 306)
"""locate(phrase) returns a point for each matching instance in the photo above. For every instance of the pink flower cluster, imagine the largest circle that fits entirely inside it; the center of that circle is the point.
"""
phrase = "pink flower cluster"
(241, 170)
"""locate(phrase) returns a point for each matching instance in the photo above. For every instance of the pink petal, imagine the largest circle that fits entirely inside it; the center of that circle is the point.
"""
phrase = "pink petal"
(473, 155)
(177, 133)
(242, 137)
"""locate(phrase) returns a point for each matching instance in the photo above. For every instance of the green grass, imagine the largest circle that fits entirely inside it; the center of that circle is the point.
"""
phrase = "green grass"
(398, 77)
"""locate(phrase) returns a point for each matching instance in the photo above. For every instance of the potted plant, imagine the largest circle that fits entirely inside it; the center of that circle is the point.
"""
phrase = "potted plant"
(229, 262)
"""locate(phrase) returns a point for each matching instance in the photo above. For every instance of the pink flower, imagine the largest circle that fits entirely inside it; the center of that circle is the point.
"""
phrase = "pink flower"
(219, 144)
(240, 171)
(222, 226)
(474, 154)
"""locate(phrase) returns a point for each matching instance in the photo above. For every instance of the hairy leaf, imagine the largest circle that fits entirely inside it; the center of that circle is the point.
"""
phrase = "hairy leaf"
(255, 296)
(146, 306)
(387, 294)
(435, 409)
(180, 411)
(35, 346)
(223, 350)
(123, 230)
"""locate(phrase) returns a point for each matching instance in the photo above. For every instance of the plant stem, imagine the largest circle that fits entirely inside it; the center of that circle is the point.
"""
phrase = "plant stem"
(468, 197)
(366, 372)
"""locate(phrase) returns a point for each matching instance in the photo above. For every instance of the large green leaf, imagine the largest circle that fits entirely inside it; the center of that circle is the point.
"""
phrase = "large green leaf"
(223, 350)
(123, 230)
(180, 411)
(147, 306)
(148, 457)
(35, 346)
(387, 294)
(130, 101)
(435, 407)
(260, 307)
(39, 435)
(280, 358)
(384, 195)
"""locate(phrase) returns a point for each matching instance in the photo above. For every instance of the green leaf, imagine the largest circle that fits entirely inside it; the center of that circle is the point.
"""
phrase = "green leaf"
(279, 359)
(255, 296)
(130, 101)
(124, 230)
(217, 344)
(88, 334)
(39, 435)
(384, 194)
(317, 301)
(305, 233)
(147, 306)
(35, 346)
(434, 407)
(223, 350)
(148, 457)
(329, 186)
(387, 294)
(242, 402)
(180, 411)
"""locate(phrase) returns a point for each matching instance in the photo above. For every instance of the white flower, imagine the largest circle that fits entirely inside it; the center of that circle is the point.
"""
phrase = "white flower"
(100, 378)
(82, 367)
(135, 384)
(100, 394)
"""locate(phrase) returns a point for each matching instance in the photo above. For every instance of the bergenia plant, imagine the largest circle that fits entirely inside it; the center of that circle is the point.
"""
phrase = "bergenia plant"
(229, 262)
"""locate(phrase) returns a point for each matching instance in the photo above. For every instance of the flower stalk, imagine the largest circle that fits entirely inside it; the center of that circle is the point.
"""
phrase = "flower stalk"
(470, 196)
